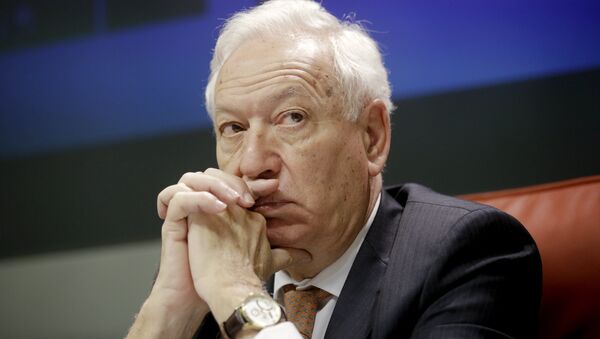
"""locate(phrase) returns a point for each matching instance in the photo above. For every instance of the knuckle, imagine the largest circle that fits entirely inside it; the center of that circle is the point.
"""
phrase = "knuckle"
(205, 197)
(258, 219)
(171, 230)
(177, 197)
(211, 171)
(165, 191)
(186, 176)
(165, 230)
(180, 187)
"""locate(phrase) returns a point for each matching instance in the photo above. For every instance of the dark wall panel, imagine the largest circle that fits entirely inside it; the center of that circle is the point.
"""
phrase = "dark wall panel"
(94, 196)
(501, 136)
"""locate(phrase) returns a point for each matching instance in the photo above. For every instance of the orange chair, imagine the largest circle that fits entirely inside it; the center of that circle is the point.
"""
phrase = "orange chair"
(564, 219)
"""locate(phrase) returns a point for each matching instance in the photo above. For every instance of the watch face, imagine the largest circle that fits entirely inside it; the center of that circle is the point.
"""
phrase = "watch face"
(261, 311)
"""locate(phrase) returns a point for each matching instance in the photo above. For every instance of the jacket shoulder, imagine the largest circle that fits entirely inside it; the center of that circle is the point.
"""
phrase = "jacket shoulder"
(448, 258)
(406, 194)
(434, 217)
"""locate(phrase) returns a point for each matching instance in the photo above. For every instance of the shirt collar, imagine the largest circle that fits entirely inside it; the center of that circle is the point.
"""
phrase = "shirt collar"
(333, 277)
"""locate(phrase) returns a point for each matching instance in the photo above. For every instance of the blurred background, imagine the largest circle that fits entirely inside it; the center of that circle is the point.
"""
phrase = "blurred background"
(101, 106)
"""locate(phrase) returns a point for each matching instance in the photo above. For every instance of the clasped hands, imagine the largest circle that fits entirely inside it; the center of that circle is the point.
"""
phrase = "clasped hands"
(214, 249)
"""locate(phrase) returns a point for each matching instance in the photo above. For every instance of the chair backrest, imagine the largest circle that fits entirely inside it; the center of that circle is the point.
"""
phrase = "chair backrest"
(564, 219)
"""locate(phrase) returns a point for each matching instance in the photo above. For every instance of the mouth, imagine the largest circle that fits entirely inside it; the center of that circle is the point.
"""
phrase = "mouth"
(267, 208)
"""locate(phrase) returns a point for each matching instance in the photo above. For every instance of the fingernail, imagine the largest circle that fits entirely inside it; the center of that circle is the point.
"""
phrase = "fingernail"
(248, 198)
(220, 206)
(233, 194)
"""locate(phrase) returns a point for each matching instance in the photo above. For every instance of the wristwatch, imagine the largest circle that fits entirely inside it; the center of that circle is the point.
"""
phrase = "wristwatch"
(257, 312)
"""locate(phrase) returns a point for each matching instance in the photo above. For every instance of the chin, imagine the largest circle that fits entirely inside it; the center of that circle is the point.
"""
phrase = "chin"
(282, 234)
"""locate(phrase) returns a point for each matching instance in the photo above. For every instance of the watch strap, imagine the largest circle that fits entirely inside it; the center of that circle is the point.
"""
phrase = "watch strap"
(234, 323)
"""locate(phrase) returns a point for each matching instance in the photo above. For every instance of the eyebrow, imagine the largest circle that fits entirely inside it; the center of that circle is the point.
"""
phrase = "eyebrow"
(289, 92)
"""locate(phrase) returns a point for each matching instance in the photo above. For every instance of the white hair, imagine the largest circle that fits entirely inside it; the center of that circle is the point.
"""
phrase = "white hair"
(358, 64)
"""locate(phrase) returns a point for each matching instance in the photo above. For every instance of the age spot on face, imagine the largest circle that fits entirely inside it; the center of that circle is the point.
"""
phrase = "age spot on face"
(329, 92)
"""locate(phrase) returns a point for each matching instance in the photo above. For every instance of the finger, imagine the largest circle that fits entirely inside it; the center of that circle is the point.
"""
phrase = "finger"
(186, 203)
(286, 257)
(165, 196)
(263, 187)
(236, 183)
(174, 269)
(217, 186)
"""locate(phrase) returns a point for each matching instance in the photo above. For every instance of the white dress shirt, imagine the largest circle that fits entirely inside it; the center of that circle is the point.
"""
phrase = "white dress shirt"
(331, 279)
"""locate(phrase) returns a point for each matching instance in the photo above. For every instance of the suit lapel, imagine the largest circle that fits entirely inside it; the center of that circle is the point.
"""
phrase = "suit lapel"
(353, 315)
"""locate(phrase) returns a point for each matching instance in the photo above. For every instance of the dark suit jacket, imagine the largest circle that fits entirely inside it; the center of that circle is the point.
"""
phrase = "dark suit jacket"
(433, 266)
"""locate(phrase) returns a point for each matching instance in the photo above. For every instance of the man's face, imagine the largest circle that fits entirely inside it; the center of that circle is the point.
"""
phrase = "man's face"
(278, 114)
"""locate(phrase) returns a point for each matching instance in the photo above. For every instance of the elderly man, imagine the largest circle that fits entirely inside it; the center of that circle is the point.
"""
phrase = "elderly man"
(300, 104)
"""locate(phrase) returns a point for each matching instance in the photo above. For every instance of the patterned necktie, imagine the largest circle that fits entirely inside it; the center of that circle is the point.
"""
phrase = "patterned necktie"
(301, 307)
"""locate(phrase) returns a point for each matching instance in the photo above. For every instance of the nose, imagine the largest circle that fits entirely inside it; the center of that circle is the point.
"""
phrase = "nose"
(260, 159)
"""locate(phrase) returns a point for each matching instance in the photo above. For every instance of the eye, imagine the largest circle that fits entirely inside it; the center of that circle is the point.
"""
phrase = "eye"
(291, 118)
(231, 128)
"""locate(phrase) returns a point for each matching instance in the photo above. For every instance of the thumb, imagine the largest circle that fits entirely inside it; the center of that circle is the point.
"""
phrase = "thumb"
(262, 187)
(286, 257)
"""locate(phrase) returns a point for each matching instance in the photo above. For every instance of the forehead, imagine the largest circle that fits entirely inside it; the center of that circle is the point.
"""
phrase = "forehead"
(303, 64)
(305, 51)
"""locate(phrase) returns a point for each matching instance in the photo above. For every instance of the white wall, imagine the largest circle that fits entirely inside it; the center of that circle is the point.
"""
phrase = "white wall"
(91, 293)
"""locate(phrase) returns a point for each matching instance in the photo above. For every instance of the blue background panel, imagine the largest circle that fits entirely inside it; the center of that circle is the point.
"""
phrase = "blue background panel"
(149, 80)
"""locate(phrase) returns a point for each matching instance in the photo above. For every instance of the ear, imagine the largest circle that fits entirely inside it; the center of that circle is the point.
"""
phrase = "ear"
(375, 120)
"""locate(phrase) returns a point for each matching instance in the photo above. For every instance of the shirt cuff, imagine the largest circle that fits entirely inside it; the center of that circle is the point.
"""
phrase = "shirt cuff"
(283, 330)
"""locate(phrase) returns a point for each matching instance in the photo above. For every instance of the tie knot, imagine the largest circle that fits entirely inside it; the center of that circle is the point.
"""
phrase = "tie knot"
(312, 294)
(302, 305)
